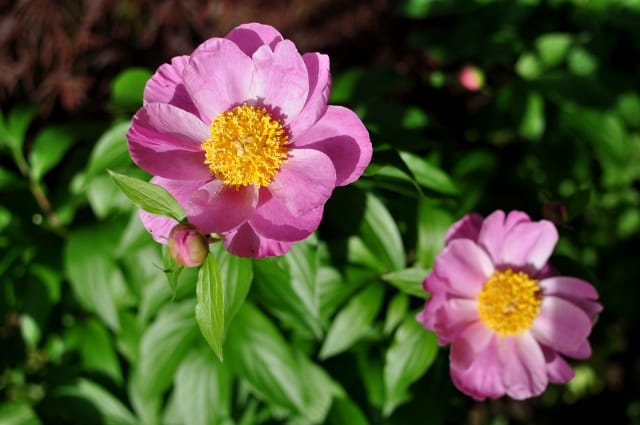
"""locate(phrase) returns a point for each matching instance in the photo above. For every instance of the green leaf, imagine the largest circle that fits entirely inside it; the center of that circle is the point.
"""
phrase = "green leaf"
(105, 198)
(128, 86)
(428, 175)
(17, 413)
(381, 235)
(433, 224)
(319, 389)
(14, 129)
(408, 280)
(95, 277)
(396, 311)
(97, 351)
(164, 345)
(236, 275)
(532, 124)
(528, 66)
(411, 353)
(49, 148)
(171, 269)
(582, 62)
(110, 150)
(210, 306)
(260, 355)
(553, 48)
(353, 321)
(200, 383)
(345, 412)
(148, 196)
(112, 411)
(289, 297)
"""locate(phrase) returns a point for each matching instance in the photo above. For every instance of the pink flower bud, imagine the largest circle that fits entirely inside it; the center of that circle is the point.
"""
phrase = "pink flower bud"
(471, 78)
(187, 245)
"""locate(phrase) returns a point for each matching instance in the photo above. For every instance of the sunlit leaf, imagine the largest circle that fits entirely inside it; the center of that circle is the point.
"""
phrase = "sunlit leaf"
(164, 345)
(433, 223)
(112, 411)
(148, 196)
(428, 175)
(411, 353)
(127, 87)
(380, 234)
(353, 321)
(49, 147)
(261, 356)
(532, 124)
(210, 305)
(95, 277)
(17, 413)
(14, 128)
(203, 389)
(396, 311)
(408, 280)
(345, 412)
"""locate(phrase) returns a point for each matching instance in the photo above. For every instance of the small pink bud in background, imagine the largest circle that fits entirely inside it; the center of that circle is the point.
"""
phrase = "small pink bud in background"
(471, 78)
(187, 245)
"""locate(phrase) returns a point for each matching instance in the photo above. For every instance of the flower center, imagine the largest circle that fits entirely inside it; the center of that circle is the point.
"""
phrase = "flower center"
(509, 302)
(247, 146)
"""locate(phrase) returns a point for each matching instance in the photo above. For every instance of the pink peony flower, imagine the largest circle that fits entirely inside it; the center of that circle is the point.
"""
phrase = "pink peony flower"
(509, 318)
(240, 133)
(187, 246)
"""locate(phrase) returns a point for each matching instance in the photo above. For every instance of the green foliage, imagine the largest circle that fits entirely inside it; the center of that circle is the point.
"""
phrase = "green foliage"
(99, 325)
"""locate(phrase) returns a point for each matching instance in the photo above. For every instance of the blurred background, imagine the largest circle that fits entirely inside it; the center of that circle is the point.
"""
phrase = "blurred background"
(472, 105)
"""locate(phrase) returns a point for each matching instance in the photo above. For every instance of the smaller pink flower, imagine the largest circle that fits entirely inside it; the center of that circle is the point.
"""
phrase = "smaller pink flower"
(187, 246)
(471, 78)
(509, 318)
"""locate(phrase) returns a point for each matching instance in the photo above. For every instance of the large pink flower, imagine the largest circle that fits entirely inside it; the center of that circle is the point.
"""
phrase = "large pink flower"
(509, 318)
(240, 133)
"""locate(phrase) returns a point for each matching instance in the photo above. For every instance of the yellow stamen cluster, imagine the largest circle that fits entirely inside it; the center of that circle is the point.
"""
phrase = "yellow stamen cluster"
(509, 302)
(247, 146)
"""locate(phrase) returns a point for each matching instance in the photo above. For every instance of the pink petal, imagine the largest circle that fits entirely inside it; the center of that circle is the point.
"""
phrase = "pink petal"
(439, 295)
(281, 81)
(454, 316)
(215, 208)
(480, 375)
(468, 227)
(495, 228)
(558, 370)
(530, 245)
(272, 220)
(342, 137)
(245, 242)
(165, 141)
(561, 325)
(524, 371)
(181, 190)
(305, 182)
(218, 78)
(465, 266)
(469, 344)
(249, 37)
(577, 291)
(319, 86)
(157, 225)
(582, 352)
(165, 86)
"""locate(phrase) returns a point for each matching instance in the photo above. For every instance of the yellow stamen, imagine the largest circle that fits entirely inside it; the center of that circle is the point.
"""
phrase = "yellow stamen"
(247, 146)
(509, 302)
